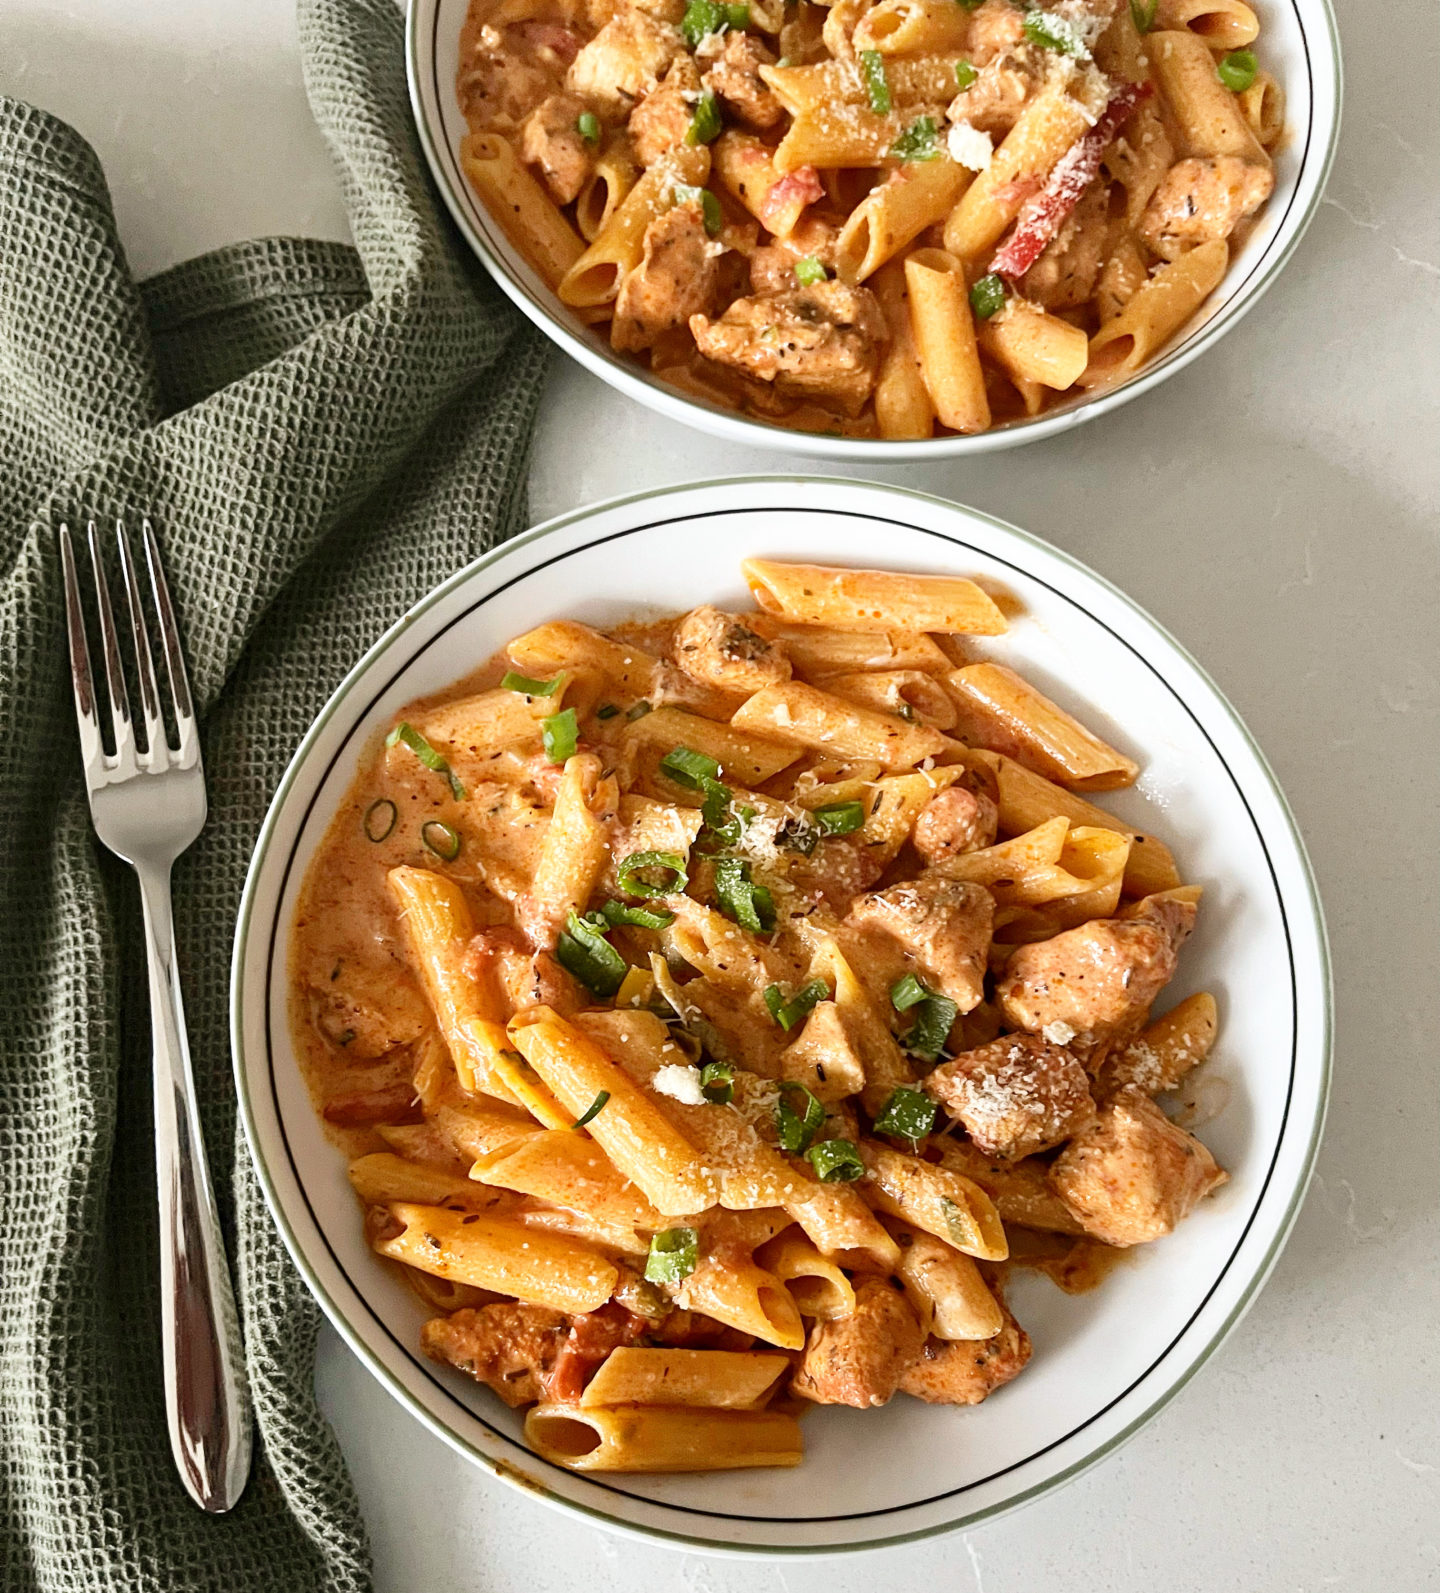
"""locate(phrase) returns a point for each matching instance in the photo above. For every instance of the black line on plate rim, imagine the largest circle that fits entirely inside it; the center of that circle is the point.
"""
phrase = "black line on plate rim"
(725, 1515)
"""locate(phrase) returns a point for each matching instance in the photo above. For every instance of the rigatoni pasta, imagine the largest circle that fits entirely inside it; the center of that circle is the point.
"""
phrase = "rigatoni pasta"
(695, 1002)
(721, 189)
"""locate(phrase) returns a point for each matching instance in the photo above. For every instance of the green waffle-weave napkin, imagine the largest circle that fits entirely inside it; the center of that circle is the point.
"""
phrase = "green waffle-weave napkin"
(320, 434)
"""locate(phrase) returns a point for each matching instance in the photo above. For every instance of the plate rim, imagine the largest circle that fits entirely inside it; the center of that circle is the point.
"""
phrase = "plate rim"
(733, 427)
(335, 1313)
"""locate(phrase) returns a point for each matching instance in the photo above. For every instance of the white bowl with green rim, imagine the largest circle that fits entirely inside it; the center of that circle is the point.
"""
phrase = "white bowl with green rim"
(1299, 44)
(1104, 1362)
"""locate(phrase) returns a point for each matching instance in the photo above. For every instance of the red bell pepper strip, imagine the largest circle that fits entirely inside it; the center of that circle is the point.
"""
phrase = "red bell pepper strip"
(1041, 217)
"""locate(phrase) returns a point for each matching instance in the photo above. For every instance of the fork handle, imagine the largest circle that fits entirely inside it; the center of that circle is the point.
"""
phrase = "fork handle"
(206, 1400)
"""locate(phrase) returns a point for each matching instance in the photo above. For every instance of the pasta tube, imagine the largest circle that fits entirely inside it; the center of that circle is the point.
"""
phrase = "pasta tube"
(500, 1254)
(814, 718)
(1206, 114)
(897, 211)
(942, 1202)
(631, 1127)
(712, 1379)
(818, 594)
(654, 1438)
(521, 206)
(944, 331)
(946, 1288)
(998, 706)
(1160, 307)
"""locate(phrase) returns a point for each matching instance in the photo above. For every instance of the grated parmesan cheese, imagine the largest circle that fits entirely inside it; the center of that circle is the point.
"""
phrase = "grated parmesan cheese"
(969, 147)
(680, 1082)
(1058, 1033)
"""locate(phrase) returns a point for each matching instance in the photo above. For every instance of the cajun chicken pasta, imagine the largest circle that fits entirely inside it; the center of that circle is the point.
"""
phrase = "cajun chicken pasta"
(883, 218)
(714, 1009)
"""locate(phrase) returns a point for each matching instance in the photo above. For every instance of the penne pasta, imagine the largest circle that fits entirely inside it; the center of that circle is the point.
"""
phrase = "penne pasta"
(632, 1129)
(521, 206)
(1035, 346)
(944, 333)
(816, 1283)
(713, 1379)
(499, 1253)
(999, 710)
(744, 758)
(936, 1199)
(912, 27)
(1219, 24)
(744, 1296)
(903, 407)
(946, 1288)
(1206, 114)
(816, 719)
(1160, 307)
(653, 1438)
(870, 600)
(914, 196)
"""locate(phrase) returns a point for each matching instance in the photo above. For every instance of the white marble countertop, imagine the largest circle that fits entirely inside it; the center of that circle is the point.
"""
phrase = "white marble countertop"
(1275, 505)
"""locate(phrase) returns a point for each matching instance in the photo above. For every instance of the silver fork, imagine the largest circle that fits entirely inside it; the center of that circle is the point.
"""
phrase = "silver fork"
(148, 804)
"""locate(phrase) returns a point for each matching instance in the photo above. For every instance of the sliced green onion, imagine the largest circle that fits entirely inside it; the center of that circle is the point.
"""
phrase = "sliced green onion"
(908, 1114)
(749, 905)
(1237, 70)
(934, 1019)
(987, 297)
(919, 141)
(560, 733)
(716, 807)
(907, 992)
(606, 710)
(839, 818)
(629, 875)
(797, 834)
(688, 768)
(422, 749)
(673, 1255)
(705, 123)
(961, 1225)
(582, 950)
(531, 687)
(717, 1083)
(441, 839)
(810, 270)
(587, 124)
(380, 819)
(702, 18)
(965, 74)
(617, 913)
(638, 711)
(797, 1129)
(737, 14)
(1051, 33)
(788, 1013)
(688, 194)
(1142, 15)
(592, 1111)
(877, 85)
(836, 1161)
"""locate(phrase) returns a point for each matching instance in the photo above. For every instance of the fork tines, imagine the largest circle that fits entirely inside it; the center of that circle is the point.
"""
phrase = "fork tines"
(128, 757)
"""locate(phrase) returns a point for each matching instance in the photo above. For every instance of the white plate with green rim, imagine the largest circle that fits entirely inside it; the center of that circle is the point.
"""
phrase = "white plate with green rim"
(1299, 44)
(1104, 1362)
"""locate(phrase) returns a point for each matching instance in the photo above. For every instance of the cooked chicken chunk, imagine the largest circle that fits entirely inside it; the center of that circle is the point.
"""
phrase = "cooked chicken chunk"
(511, 71)
(1098, 980)
(965, 1371)
(522, 977)
(366, 1008)
(955, 820)
(937, 929)
(624, 61)
(1016, 1096)
(551, 142)
(1199, 200)
(1134, 1175)
(859, 1359)
(662, 119)
(722, 650)
(676, 279)
(1003, 87)
(1064, 276)
(772, 266)
(821, 341)
(733, 73)
(995, 26)
(513, 1348)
